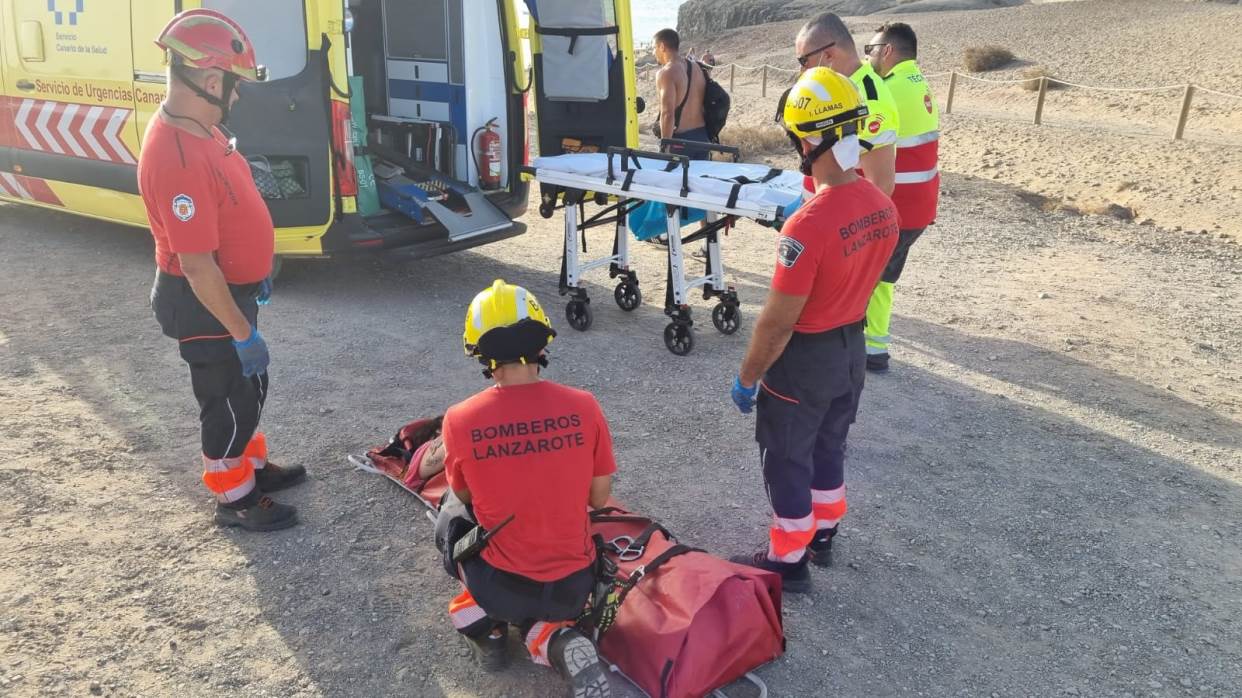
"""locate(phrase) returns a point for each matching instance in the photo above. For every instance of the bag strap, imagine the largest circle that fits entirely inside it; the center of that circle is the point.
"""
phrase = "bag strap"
(684, 99)
(574, 32)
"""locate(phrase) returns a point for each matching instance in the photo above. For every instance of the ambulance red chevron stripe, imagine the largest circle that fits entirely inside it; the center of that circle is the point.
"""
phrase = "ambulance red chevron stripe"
(17, 186)
(79, 130)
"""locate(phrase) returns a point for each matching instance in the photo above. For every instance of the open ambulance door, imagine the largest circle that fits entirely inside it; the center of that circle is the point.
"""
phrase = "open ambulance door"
(283, 125)
(583, 75)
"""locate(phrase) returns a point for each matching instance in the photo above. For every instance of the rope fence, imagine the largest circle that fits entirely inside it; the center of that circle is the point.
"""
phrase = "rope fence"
(1045, 81)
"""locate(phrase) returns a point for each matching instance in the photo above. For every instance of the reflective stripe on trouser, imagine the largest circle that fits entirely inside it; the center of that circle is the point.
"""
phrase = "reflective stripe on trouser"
(468, 617)
(788, 538)
(829, 507)
(539, 637)
(879, 315)
(804, 414)
(229, 478)
(256, 451)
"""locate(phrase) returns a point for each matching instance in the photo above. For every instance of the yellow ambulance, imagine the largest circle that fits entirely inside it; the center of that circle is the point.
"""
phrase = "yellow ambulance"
(365, 135)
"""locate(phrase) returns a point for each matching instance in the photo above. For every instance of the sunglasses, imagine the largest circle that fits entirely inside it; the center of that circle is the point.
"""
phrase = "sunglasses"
(806, 57)
(871, 47)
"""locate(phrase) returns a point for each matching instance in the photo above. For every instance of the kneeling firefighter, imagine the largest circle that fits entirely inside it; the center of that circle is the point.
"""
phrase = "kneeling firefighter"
(524, 459)
(808, 344)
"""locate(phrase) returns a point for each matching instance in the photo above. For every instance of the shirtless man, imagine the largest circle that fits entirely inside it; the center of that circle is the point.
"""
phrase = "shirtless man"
(681, 95)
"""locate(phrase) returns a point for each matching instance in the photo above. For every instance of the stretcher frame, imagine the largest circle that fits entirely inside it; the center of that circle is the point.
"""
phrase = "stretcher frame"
(619, 194)
(363, 462)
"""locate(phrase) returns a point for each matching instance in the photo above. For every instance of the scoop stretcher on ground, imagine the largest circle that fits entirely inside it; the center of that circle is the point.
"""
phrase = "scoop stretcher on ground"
(623, 179)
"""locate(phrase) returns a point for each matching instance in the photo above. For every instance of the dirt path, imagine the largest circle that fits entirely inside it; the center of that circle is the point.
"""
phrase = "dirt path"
(1044, 493)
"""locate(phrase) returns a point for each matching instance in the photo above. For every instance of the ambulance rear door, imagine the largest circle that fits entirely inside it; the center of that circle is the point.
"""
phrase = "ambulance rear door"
(584, 79)
(283, 125)
(69, 76)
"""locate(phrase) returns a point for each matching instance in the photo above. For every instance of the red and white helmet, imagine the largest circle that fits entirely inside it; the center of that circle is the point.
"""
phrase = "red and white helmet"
(208, 39)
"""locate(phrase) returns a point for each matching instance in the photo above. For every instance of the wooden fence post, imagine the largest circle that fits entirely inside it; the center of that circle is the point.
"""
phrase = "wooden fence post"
(764, 90)
(948, 104)
(1181, 120)
(1039, 105)
(732, 74)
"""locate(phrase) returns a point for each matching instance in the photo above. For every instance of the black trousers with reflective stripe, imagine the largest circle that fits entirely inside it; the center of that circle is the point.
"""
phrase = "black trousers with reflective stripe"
(230, 404)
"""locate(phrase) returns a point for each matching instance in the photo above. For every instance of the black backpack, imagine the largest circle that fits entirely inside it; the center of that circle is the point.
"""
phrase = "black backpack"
(716, 103)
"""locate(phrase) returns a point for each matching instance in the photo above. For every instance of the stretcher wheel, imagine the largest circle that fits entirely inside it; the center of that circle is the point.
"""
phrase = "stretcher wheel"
(727, 317)
(679, 338)
(547, 209)
(628, 296)
(578, 314)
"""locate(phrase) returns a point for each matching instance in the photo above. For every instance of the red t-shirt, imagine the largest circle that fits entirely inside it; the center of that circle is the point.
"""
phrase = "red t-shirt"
(530, 451)
(833, 251)
(200, 200)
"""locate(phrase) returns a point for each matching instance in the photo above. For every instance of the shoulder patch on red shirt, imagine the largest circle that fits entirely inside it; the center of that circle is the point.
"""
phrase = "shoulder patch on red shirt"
(183, 207)
(788, 251)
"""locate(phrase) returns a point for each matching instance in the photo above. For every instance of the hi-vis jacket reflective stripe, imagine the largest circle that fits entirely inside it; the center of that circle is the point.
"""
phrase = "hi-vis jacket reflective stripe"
(883, 123)
(918, 142)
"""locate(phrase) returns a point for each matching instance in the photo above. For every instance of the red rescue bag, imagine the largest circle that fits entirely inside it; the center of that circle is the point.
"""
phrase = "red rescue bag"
(687, 622)
(691, 622)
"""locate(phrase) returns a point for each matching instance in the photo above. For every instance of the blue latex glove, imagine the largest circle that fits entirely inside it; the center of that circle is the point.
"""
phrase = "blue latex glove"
(265, 292)
(253, 354)
(743, 396)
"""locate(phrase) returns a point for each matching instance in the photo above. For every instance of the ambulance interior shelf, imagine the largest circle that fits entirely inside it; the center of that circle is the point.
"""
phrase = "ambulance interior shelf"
(425, 194)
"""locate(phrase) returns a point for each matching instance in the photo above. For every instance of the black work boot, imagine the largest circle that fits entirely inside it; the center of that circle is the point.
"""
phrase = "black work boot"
(821, 547)
(256, 512)
(573, 655)
(877, 363)
(491, 651)
(273, 478)
(795, 577)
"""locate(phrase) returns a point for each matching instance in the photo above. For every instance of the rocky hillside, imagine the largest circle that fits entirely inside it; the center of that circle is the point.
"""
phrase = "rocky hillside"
(702, 18)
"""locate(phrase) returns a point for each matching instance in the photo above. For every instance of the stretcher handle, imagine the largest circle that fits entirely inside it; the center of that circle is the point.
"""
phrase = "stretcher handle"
(733, 151)
(626, 153)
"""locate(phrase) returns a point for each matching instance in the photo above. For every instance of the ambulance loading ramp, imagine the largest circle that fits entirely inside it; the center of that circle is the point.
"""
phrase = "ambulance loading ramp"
(425, 195)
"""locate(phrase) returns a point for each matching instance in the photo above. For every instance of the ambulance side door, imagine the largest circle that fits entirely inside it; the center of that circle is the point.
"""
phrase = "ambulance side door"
(69, 74)
(6, 113)
(148, 18)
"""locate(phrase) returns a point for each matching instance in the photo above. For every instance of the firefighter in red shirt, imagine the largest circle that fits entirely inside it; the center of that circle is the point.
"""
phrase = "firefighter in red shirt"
(213, 248)
(536, 455)
(808, 345)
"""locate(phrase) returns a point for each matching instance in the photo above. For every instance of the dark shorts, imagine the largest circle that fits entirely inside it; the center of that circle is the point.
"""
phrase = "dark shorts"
(697, 135)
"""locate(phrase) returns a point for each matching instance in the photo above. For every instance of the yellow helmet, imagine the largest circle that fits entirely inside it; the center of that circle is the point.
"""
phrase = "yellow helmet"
(506, 324)
(823, 100)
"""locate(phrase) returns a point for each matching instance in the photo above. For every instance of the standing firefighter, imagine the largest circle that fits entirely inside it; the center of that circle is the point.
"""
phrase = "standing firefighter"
(808, 344)
(892, 52)
(529, 457)
(213, 249)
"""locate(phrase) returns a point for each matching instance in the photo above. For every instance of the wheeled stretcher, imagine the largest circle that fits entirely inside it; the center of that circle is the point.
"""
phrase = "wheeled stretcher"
(623, 179)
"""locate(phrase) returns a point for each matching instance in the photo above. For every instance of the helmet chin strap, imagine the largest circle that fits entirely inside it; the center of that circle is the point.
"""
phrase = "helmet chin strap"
(808, 159)
(229, 84)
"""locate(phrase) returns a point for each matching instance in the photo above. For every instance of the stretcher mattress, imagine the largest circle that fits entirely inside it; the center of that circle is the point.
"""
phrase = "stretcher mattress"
(782, 188)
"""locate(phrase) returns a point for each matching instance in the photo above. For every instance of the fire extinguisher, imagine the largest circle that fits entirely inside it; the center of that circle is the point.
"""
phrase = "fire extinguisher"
(490, 146)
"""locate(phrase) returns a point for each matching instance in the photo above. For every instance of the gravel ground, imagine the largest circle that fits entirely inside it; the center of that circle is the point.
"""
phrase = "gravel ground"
(1044, 492)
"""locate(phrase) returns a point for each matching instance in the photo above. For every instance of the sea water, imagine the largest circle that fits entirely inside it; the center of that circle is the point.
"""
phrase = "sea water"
(650, 16)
